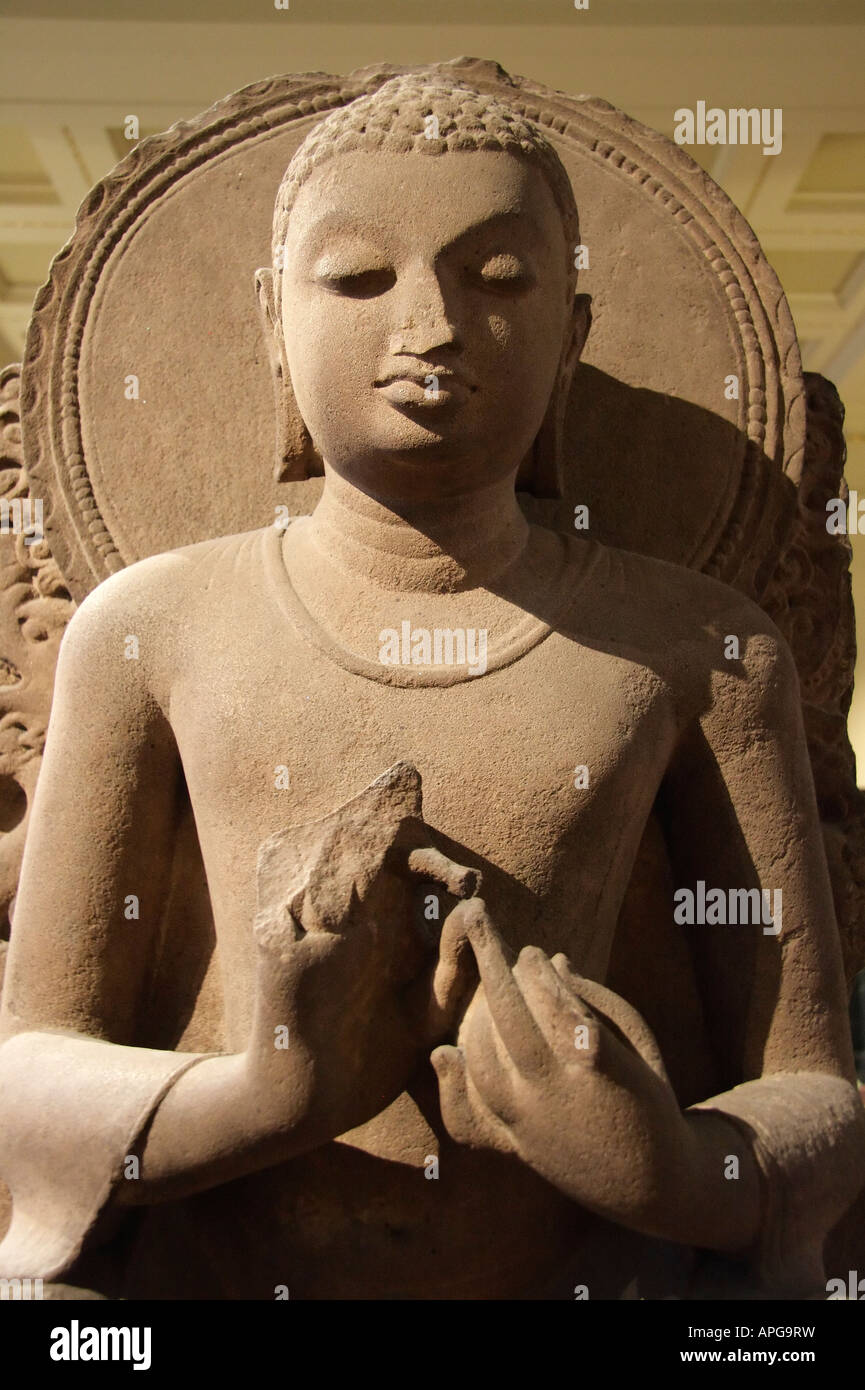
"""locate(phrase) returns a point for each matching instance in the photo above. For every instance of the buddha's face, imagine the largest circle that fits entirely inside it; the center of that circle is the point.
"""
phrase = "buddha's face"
(425, 309)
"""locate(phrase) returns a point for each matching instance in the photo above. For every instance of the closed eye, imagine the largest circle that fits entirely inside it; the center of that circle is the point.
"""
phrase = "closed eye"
(358, 284)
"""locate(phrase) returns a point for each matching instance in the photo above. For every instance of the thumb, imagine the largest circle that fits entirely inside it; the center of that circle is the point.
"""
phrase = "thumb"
(466, 1118)
(450, 1068)
(448, 1062)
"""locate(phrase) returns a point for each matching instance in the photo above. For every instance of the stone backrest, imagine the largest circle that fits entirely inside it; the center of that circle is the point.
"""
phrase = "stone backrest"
(146, 411)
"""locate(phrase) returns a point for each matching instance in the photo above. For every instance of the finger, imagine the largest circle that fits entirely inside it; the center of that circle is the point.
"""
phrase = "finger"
(449, 1066)
(412, 851)
(572, 981)
(534, 971)
(430, 864)
(557, 1010)
(466, 1118)
(624, 1021)
(489, 1065)
(454, 981)
(511, 1014)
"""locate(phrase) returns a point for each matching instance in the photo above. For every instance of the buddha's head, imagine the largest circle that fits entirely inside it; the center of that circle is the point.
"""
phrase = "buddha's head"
(422, 310)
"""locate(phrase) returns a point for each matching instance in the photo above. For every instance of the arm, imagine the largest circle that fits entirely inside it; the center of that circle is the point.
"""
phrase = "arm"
(742, 815)
(101, 829)
(80, 971)
(602, 1122)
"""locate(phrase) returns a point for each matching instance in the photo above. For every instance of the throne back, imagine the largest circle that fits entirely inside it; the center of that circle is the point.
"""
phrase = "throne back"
(146, 415)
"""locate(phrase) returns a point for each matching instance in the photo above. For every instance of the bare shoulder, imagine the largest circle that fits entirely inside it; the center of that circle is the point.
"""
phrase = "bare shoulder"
(140, 621)
(165, 582)
(703, 636)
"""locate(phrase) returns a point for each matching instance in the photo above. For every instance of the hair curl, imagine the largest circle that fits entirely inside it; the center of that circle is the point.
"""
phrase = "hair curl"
(395, 118)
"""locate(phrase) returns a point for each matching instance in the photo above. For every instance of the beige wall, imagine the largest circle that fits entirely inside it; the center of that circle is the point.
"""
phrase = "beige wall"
(70, 77)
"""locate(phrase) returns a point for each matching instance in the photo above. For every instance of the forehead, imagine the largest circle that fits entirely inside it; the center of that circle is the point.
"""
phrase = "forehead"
(424, 199)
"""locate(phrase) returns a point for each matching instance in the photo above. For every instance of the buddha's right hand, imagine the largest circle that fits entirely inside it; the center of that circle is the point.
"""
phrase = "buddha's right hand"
(342, 1012)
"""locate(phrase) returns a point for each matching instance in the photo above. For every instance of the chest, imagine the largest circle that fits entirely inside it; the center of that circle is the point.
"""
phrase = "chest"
(560, 753)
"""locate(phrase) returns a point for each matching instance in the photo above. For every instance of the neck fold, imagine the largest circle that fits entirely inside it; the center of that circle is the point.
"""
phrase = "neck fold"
(442, 546)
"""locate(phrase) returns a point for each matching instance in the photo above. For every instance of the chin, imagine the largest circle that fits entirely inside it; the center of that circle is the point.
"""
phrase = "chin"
(420, 478)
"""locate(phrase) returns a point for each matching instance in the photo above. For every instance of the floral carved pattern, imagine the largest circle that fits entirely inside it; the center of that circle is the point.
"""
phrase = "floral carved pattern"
(809, 596)
(35, 607)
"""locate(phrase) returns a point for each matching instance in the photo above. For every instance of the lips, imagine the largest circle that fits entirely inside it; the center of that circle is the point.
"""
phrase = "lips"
(418, 389)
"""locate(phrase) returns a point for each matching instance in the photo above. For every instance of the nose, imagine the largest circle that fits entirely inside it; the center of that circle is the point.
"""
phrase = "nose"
(423, 321)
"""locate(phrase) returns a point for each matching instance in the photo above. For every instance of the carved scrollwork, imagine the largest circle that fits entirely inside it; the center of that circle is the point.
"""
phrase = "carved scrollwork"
(715, 241)
(809, 596)
(35, 606)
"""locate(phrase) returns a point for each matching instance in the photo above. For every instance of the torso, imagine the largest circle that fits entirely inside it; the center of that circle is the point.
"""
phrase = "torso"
(497, 753)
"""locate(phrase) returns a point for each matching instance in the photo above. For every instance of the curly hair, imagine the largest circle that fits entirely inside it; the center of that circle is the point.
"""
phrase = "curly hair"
(419, 113)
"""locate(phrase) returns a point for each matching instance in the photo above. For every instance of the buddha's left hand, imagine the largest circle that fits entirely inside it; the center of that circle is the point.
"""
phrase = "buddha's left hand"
(539, 1074)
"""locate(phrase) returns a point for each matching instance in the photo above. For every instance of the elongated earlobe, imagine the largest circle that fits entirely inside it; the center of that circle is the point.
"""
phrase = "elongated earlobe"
(547, 461)
(542, 471)
(296, 457)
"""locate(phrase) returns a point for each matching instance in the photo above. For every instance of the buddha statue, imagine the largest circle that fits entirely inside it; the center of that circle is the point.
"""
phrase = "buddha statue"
(422, 1085)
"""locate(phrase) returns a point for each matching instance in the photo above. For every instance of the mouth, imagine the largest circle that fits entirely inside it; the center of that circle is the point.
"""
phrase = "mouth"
(429, 390)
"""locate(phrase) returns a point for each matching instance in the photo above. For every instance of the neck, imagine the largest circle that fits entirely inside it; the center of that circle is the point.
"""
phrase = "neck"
(440, 546)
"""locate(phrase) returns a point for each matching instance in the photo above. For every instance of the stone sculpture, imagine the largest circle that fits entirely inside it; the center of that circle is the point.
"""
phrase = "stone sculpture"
(416, 964)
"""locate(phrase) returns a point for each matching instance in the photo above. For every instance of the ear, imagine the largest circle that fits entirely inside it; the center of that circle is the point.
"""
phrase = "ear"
(296, 458)
(578, 331)
(541, 472)
(581, 323)
(266, 300)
